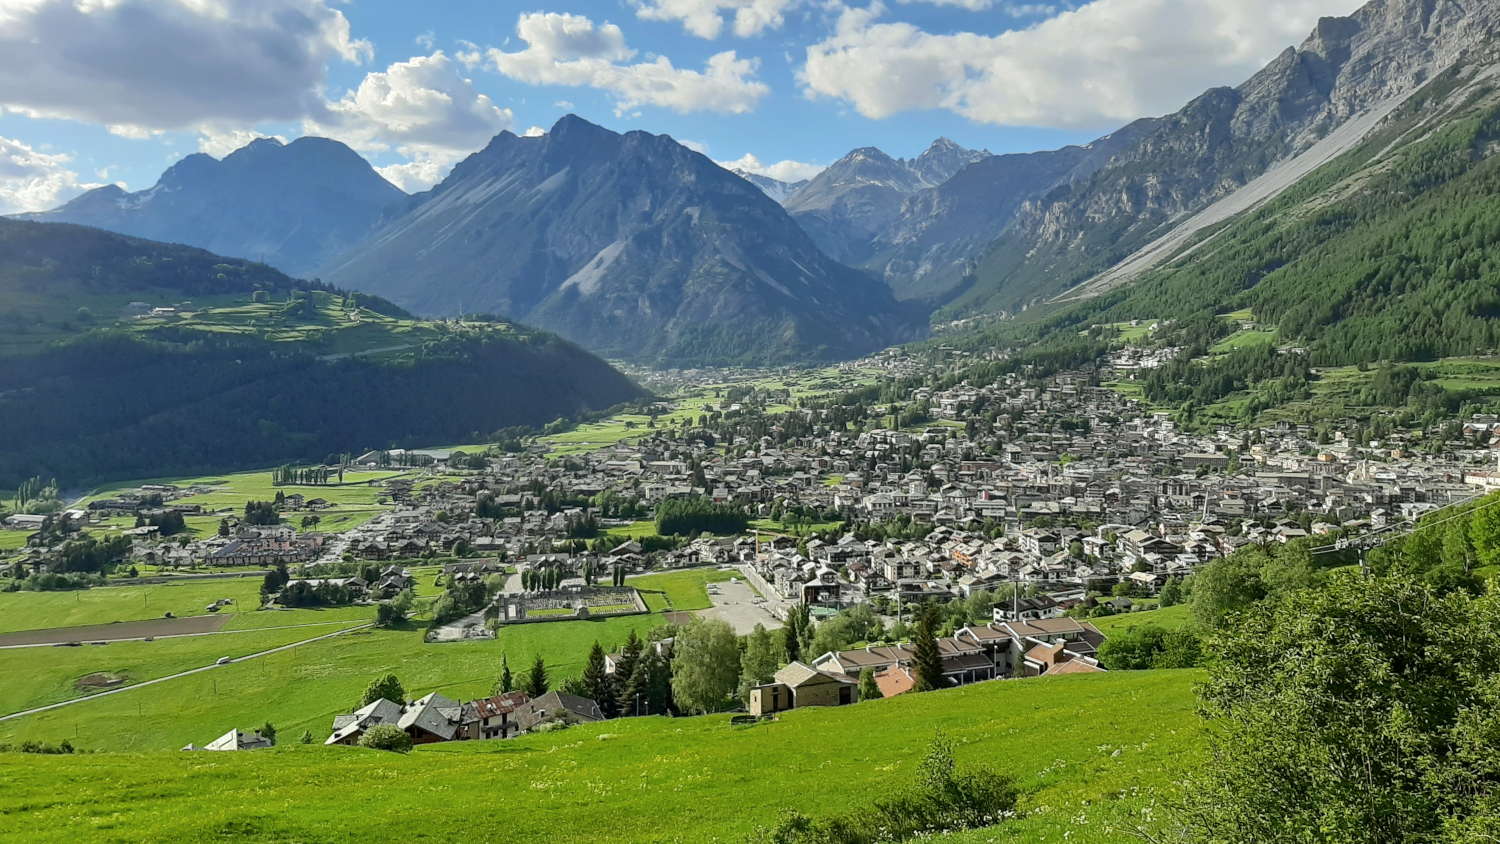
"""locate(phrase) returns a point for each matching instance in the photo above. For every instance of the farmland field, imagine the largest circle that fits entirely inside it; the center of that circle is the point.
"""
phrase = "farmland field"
(52, 674)
(104, 604)
(304, 688)
(1090, 753)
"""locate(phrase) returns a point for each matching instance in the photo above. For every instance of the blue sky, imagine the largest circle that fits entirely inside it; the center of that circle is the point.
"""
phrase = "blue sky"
(96, 91)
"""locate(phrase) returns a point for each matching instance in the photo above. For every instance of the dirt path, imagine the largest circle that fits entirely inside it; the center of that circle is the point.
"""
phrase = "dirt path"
(145, 683)
(155, 627)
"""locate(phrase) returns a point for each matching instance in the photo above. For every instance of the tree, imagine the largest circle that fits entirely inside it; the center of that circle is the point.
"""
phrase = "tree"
(927, 660)
(536, 678)
(760, 660)
(1171, 592)
(507, 682)
(268, 732)
(705, 665)
(1364, 711)
(868, 688)
(596, 683)
(791, 643)
(387, 614)
(386, 737)
(630, 656)
(385, 688)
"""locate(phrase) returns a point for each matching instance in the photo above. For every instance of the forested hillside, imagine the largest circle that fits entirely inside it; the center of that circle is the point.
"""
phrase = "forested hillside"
(242, 365)
(1390, 253)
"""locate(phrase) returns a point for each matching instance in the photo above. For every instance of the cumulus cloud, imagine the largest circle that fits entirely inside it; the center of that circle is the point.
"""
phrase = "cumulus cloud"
(142, 65)
(31, 180)
(571, 50)
(220, 142)
(1091, 67)
(423, 108)
(782, 171)
(706, 18)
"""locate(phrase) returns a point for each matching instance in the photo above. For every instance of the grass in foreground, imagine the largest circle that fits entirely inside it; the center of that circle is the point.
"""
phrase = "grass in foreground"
(1171, 618)
(1089, 750)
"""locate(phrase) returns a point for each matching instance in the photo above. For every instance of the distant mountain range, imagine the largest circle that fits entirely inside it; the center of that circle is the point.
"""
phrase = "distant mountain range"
(774, 188)
(289, 205)
(637, 247)
(848, 205)
(631, 244)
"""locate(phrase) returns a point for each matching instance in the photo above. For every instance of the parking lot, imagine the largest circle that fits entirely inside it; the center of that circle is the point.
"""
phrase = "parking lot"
(738, 604)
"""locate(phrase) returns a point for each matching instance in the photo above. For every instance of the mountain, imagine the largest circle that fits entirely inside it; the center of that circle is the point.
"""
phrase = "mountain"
(1228, 151)
(929, 249)
(846, 206)
(774, 188)
(243, 366)
(632, 245)
(290, 205)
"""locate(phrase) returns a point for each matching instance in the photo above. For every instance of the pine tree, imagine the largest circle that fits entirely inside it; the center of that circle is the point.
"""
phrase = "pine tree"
(596, 682)
(536, 679)
(926, 659)
(868, 688)
(507, 682)
(630, 657)
(791, 643)
(635, 696)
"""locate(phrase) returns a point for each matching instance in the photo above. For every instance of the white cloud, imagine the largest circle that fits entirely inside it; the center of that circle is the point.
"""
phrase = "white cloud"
(971, 5)
(141, 65)
(706, 18)
(423, 108)
(426, 40)
(782, 171)
(220, 142)
(571, 50)
(1103, 63)
(534, 132)
(31, 180)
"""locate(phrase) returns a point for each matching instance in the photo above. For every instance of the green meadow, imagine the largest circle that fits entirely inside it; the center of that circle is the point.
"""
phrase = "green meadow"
(1091, 753)
(680, 590)
(105, 604)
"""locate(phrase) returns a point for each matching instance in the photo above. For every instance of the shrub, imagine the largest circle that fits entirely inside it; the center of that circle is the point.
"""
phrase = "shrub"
(944, 799)
(386, 737)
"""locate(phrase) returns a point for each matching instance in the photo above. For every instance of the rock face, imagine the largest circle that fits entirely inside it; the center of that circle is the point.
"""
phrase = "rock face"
(289, 205)
(631, 245)
(848, 205)
(774, 188)
(1222, 141)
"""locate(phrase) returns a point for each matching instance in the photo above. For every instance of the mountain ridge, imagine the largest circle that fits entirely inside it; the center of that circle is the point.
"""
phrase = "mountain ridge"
(630, 244)
(290, 205)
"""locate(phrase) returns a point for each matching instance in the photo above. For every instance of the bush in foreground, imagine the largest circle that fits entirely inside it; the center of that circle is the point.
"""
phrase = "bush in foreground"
(944, 799)
(386, 737)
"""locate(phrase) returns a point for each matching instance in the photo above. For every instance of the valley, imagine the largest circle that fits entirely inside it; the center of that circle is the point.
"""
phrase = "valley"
(1144, 487)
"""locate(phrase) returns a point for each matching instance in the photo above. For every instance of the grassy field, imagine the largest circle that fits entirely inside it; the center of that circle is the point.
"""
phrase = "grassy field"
(634, 530)
(685, 590)
(1170, 617)
(51, 674)
(1089, 751)
(104, 604)
(304, 688)
(1243, 339)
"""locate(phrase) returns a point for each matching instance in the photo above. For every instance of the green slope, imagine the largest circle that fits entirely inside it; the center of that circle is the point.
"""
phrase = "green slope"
(1390, 252)
(248, 368)
(1092, 753)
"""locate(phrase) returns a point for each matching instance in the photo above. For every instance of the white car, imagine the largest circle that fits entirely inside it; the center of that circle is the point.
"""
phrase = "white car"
(224, 660)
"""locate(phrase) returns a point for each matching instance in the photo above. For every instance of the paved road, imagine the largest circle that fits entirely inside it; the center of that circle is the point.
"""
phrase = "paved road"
(143, 684)
(774, 605)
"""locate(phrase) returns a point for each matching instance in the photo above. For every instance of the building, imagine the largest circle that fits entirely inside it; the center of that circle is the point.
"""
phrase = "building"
(800, 684)
(236, 740)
